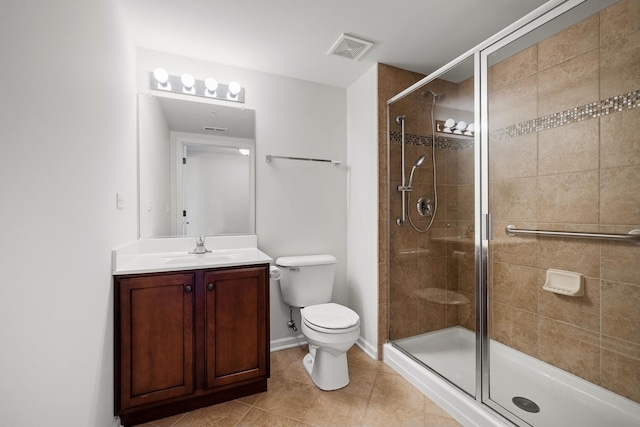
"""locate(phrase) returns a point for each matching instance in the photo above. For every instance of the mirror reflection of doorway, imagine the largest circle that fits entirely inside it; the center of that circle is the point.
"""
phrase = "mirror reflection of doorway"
(214, 177)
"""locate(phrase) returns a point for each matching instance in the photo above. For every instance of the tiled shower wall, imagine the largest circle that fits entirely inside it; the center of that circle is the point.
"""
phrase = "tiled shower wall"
(575, 175)
(582, 176)
(431, 274)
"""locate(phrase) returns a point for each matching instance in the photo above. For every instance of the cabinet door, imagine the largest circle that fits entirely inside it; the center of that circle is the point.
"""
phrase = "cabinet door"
(157, 338)
(236, 325)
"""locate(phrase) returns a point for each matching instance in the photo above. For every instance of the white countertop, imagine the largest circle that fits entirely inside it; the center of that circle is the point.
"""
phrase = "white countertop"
(172, 254)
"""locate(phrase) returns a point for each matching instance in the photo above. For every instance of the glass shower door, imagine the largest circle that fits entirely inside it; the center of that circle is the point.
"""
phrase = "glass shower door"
(432, 233)
(564, 156)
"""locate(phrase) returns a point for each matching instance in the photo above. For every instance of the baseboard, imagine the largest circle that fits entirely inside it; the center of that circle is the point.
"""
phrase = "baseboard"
(116, 422)
(285, 343)
(367, 348)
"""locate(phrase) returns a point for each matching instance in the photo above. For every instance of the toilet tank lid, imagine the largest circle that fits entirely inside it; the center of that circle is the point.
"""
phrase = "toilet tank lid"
(301, 261)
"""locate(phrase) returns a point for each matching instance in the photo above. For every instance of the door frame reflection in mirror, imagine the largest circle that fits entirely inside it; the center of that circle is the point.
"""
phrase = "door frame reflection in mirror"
(165, 119)
(218, 151)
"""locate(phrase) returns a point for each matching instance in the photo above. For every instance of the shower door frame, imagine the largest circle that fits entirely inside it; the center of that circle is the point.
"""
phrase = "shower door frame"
(482, 217)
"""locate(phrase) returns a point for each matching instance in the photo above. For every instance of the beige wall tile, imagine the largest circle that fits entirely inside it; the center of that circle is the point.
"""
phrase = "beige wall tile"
(583, 311)
(621, 374)
(569, 84)
(570, 348)
(621, 310)
(516, 67)
(513, 250)
(466, 166)
(513, 104)
(620, 261)
(620, 195)
(619, 140)
(581, 256)
(515, 286)
(466, 206)
(619, 65)
(514, 200)
(570, 148)
(513, 158)
(619, 20)
(569, 43)
(568, 198)
(514, 327)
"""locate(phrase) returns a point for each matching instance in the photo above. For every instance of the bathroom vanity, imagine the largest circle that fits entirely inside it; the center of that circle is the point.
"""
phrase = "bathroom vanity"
(190, 330)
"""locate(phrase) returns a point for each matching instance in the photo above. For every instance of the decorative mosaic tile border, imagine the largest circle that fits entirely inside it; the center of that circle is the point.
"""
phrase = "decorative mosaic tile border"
(441, 141)
(589, 111)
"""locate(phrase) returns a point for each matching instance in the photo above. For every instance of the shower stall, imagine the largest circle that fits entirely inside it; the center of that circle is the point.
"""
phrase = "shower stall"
(513, 248)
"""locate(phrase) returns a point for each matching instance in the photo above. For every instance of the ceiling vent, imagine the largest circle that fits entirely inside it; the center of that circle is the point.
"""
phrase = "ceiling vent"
(215, 129)
(350, 47)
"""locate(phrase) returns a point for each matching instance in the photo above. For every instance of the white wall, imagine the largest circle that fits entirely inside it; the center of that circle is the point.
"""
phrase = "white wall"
(301, 206)
(362, 222)
(67, 145)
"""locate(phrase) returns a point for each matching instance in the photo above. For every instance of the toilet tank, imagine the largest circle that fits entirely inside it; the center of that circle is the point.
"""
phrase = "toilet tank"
(307, 280)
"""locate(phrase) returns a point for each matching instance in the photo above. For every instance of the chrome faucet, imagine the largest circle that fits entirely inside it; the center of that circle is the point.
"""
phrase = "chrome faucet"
(200, 248)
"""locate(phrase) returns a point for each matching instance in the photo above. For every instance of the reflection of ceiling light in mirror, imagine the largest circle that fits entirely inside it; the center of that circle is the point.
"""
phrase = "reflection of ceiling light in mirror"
(211, 84)
(244, 151)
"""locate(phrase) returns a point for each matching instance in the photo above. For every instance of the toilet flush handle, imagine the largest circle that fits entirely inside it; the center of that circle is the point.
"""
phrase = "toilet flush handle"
(294, 268)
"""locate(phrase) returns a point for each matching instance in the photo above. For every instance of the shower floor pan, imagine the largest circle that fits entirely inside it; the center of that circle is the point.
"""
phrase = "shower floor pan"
(564, 399)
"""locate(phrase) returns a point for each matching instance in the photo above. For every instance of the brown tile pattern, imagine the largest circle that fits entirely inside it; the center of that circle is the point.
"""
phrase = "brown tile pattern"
(375, 396)
(564, 155)
(575, 169)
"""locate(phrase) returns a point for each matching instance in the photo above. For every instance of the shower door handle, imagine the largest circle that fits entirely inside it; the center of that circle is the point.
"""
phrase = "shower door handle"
(488, 227)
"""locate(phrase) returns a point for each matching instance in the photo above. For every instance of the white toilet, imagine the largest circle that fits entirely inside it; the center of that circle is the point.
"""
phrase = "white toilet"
(330, 329)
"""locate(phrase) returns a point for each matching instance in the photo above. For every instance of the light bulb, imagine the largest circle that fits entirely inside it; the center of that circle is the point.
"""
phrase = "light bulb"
(161, 75)
(244, 151)
(211, 84)
(234, 88)
(187, 80)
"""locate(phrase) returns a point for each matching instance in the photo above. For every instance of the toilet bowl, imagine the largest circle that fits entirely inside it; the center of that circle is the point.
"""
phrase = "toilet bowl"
(331, 330)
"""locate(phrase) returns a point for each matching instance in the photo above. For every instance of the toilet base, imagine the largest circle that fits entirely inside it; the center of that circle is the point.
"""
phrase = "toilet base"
(328, 372)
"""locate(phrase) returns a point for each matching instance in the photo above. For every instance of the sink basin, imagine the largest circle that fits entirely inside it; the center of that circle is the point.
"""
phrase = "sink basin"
(200, 259)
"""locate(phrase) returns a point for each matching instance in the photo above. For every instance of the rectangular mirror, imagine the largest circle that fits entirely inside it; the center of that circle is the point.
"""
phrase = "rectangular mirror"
(196, 168)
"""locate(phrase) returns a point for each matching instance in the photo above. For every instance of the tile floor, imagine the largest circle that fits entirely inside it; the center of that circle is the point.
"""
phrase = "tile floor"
(376, 396)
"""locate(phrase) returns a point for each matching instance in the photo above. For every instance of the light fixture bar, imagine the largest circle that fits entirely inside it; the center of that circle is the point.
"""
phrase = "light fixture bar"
(232, 92)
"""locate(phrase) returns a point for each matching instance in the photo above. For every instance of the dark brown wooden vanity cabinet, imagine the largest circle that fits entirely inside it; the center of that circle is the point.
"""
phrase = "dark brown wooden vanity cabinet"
(188, 339)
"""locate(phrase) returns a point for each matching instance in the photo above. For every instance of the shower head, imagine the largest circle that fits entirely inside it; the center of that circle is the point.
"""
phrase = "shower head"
(400, 119)
(416, 165)
(436, 96)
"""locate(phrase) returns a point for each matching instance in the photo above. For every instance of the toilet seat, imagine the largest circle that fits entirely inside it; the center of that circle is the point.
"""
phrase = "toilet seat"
(330, 318)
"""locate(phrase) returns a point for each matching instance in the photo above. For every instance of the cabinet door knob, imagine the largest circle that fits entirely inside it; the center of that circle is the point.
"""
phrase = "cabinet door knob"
(210, 286)
(188, 289)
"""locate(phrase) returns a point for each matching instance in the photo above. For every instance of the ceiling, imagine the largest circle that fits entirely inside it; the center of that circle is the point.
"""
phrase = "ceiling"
(292, 37)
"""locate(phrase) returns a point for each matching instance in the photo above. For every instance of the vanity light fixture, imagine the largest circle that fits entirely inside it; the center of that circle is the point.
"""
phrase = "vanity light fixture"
(211, 84)
(234, 90)
(187, 84)
(188, 81)
(244, 151)
(162, 77)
